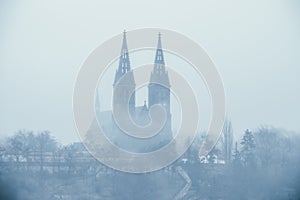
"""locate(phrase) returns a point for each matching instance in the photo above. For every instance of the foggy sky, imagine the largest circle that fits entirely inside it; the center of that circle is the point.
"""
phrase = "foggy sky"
(255, 45)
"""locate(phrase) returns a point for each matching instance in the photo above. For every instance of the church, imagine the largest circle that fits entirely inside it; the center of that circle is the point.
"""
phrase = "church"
(124, 90)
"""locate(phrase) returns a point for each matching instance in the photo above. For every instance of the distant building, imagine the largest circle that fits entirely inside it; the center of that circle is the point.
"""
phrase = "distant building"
(124, 90)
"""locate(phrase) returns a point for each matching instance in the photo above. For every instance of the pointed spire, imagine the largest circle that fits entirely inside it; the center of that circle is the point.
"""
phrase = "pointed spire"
(159, 72)
(124, 44)
(124, 62)
(159, 46)
(159, 57)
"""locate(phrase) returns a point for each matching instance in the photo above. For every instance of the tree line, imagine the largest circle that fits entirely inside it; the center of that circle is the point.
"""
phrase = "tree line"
(26, 150)
(261, 164)
(263, 147)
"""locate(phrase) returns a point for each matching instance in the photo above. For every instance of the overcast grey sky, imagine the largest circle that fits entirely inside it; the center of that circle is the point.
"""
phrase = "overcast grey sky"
(255, 45)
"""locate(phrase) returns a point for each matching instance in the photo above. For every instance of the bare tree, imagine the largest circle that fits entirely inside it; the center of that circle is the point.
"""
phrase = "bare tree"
(14, 146)
(45, 143)
(20, 145)
(272, 145)
(69, 156)
(57, 157)
(28, 144)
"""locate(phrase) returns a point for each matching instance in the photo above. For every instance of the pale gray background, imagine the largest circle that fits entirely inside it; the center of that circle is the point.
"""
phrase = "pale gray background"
(255, 45)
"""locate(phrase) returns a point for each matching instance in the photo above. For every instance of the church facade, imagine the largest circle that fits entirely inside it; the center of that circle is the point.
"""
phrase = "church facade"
(124, 98)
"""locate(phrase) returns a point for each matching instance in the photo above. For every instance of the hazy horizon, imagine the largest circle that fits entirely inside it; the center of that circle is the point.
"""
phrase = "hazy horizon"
(255, 46)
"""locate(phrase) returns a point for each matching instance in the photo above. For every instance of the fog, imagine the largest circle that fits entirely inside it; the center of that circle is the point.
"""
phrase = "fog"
(262, 164)
(254, 44)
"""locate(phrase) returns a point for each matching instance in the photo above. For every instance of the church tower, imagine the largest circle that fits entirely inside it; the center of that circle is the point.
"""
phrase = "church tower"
(126, 84)
(159, 87)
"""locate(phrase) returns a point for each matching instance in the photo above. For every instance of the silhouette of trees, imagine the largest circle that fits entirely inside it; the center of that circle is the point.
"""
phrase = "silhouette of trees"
(44, 143)
(272, 146)
(227, 140)
(264, 165)
(70, 156)
(236, 157)
(247, 149)
(27, 147)
(14, 146)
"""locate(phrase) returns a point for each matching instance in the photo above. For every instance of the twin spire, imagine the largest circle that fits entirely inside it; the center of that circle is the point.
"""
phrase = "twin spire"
(124, 62)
